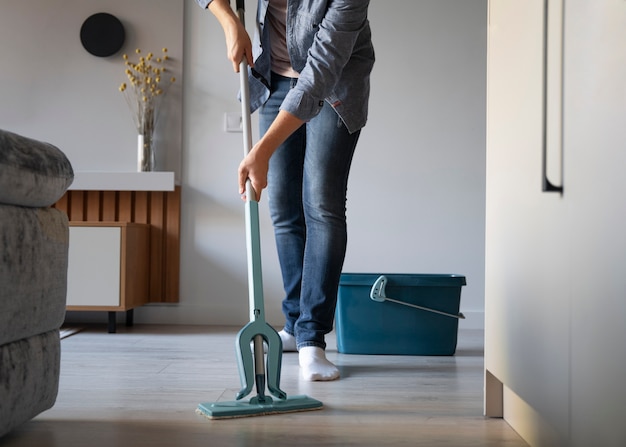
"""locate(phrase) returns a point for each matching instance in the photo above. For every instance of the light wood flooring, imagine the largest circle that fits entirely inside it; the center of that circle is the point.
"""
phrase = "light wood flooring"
(141, 387)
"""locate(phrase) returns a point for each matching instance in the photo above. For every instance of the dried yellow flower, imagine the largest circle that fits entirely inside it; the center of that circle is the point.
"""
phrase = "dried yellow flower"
(145, 86)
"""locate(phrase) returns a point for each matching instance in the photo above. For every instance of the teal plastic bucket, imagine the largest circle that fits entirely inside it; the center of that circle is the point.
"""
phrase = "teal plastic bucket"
(417, 314)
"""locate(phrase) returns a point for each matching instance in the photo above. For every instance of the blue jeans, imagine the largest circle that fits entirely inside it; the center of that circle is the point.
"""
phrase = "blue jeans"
(307, 185)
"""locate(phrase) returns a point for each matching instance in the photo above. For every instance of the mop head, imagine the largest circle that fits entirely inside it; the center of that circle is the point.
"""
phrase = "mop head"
(242, 409)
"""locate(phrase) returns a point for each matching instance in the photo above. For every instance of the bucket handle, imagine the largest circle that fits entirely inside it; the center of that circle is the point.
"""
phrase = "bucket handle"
(378, 294)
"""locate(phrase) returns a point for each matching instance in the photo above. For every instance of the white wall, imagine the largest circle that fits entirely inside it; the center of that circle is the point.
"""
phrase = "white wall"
(52, 89)
(416, 192)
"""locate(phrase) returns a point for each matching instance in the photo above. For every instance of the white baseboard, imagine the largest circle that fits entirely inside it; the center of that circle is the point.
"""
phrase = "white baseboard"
(193, 315)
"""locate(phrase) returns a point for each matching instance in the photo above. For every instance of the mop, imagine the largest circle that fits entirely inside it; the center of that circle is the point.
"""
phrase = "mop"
(250, 339)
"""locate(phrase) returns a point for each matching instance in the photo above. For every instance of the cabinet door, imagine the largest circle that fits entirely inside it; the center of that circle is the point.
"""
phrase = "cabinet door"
(526, 287)
(93, 277)
(595, 160)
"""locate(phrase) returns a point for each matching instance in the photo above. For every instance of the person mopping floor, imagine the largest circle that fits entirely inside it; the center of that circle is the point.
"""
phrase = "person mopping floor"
(309, 78)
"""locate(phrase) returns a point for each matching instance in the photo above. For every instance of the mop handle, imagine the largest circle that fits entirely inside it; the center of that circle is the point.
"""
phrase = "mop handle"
(245, 106)
(257, 307)
(245, 102)
(259, 365)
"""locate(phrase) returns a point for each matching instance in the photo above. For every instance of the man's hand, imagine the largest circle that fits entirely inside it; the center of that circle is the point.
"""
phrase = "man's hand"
(238, 44)
(253, 167)
(256, 164)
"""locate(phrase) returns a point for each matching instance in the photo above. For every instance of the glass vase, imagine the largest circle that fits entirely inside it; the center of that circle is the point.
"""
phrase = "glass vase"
(145, 153)
(145, 143)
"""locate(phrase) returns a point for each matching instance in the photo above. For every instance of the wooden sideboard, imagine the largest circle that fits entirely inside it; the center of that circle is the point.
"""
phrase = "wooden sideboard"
(159, 211)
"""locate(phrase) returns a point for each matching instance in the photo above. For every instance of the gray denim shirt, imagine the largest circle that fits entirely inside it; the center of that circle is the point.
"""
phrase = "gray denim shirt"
(330, 45)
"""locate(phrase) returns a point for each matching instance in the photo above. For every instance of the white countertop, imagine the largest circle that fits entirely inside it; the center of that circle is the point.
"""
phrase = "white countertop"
(123, 181)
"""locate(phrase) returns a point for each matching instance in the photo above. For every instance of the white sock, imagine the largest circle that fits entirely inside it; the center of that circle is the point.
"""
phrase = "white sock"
(289, 341)
(314, 365)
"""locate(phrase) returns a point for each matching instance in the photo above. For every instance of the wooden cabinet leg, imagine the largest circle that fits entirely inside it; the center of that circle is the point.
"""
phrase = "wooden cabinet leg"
(112, 323)
(130, 317)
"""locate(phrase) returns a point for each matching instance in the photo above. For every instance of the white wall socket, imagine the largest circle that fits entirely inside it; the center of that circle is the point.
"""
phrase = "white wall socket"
(233, 122)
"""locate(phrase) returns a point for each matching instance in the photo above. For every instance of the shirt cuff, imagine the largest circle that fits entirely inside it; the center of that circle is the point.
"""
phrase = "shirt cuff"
(301, 104)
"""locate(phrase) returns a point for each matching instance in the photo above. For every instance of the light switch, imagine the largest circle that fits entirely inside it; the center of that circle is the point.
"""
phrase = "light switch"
(233, 122)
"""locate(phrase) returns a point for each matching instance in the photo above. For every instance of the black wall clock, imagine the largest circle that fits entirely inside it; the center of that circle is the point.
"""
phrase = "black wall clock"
(102, 34)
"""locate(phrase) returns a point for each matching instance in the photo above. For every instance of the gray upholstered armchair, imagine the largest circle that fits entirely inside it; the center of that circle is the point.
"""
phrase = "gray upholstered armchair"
(33, 275)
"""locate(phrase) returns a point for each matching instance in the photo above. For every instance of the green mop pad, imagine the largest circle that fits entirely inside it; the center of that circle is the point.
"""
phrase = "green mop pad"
(238, 409)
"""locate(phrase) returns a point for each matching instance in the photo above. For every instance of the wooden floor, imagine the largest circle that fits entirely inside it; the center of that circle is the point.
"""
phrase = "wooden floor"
(141, 387)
